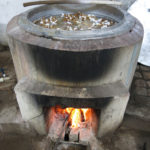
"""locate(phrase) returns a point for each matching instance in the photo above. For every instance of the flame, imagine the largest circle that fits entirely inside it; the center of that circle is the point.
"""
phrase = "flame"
(77, 115)
(76, 118)
(85, 111)
(69, 109)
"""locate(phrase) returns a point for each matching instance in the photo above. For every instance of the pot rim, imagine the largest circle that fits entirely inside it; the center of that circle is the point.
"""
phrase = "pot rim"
(125, 22)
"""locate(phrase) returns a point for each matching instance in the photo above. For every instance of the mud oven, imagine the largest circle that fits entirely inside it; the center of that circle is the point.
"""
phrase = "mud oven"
(59, 71)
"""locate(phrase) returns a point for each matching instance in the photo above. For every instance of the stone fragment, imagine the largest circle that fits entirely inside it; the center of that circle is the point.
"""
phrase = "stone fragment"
(137, 75)
(140, 83)
(141, 91)
(146, 75)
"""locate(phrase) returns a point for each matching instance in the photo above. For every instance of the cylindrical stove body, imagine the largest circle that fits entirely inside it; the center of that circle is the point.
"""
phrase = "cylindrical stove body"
(77, 65)
(76, 58)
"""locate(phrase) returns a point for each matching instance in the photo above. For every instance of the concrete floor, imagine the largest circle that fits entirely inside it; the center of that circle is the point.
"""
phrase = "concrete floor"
(122, 140)
(15, 134)
(21, 142)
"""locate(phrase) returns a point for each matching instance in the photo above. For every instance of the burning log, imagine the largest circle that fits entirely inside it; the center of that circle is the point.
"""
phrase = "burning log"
(87, 129)
(70, 125)
(55, 124)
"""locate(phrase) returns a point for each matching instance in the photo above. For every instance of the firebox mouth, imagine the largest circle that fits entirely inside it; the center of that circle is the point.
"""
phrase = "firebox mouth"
(124, 21)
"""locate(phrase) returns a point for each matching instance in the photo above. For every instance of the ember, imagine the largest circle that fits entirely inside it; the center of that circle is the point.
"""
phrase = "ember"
(76, 115)
(74, 22)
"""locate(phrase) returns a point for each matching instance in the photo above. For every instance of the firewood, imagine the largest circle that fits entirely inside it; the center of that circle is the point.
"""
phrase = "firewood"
(85, 135)
(55, 129)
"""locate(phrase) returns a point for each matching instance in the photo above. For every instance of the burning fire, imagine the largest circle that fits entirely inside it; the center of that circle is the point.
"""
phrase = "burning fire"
(76, 115)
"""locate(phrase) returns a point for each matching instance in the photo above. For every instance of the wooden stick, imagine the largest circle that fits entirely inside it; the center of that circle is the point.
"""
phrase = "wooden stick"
(63, 129)
(108, 2)
(61, 133)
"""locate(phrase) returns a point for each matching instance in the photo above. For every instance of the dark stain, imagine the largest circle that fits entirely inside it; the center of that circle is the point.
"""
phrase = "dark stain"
(144, 146)
(72, 66)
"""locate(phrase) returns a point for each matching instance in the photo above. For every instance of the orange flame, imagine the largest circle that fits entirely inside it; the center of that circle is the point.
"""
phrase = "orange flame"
(77, 115)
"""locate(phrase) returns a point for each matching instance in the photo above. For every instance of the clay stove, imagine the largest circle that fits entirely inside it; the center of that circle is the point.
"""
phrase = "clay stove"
(79, 69)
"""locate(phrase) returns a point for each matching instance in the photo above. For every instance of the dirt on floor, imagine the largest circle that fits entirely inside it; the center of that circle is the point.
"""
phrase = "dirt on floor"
(7, 96)
(7, 64)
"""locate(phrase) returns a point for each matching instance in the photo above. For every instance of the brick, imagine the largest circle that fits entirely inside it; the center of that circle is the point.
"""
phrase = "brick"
(146, 75)
(141, 91)
(138, 75)
(148, 93)
(148, 83)
(142, 100)
(144, 68)
(137, 67)
(140, 83)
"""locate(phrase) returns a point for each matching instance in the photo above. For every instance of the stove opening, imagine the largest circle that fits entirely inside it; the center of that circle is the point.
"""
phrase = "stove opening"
(71, 124)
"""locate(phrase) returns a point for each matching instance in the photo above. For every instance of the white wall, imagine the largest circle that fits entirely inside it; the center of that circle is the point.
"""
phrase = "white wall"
(140, 11)
(8, 9)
